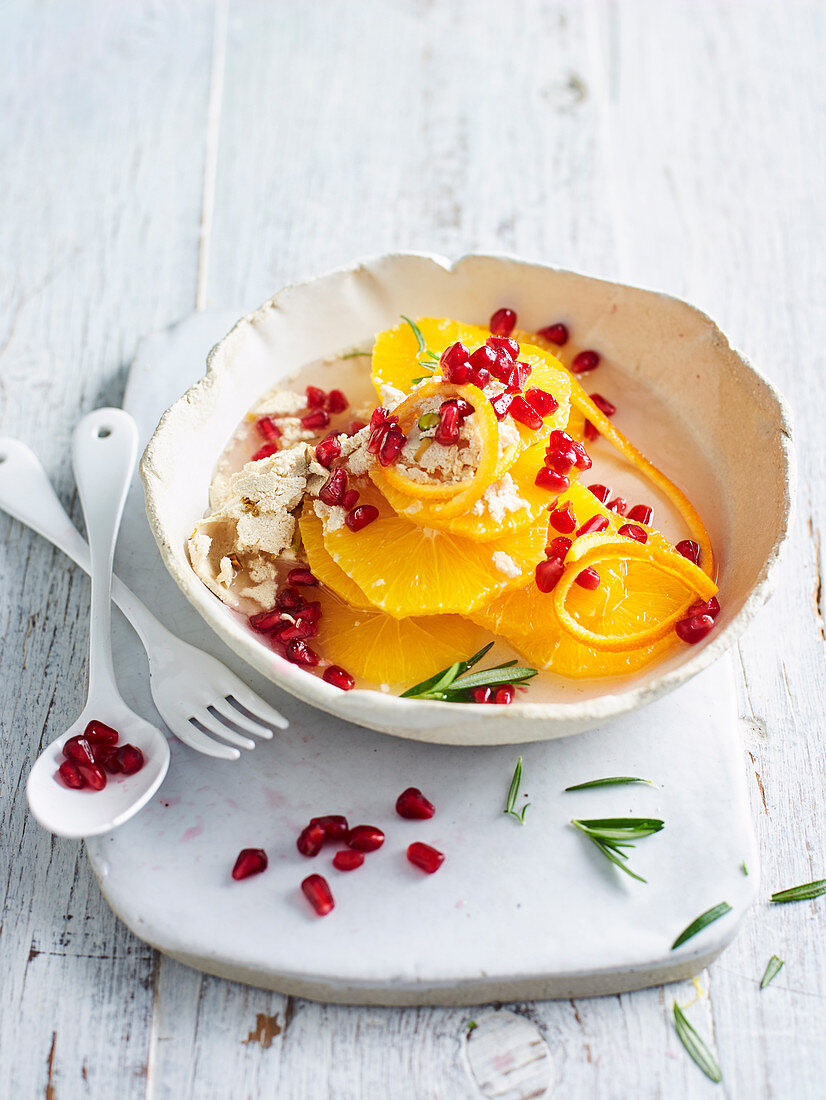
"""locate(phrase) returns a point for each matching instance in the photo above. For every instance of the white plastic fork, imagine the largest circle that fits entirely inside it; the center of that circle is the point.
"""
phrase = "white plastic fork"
(197, 696)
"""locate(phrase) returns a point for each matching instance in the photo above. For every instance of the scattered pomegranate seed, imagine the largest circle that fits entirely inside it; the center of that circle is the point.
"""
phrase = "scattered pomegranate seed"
(93, 776)
(550, 479)
(78, 750)
(481, 694)
(71, 776)
(640, 513)
(348, 860)
(318, 418)
(617, 505)
(336, 401)
(328, 450)
(558, 547)
(555, 334)
(504, 343)
(318, 894)
(504, 695)
(391, 448)
(299, 576)
(591, 433)
(365, 838)
(334, 825)
(604, 406)
(447, 432)
(356, 426)
(264, 452)
(358, 518)
(106, 757)
(503, 322)
(315, 397)
(544, 403)
(310, 840)
(337, 676)
(548, 573)
(98, 733)
(424, 857)
(268, 429)
(593, 525)
(689, 549)
(710, 607)
(250, 861)
(583, 459)
(304, 627)
(526, 414)
(585, 361)
(694, 628)
(300, 654)
(349, 500)
(413, 805)
(633, 531)
(601, 492)
(333, 488)
(501, 404)
(265, 621)
(288, 599)
(564, 520)
(588, 578)
(129, 758)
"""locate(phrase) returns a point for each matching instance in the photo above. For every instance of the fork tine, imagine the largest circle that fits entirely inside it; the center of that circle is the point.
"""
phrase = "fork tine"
(198, 740)
(256, 706)
(212, 724)
(234, 716)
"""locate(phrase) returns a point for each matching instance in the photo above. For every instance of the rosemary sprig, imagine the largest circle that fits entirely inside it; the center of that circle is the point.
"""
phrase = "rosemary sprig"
(427, 684)
(425, 355)
(744, 868)
(772, 970)
(805, 892)
(490, 677)
(445, 685)
(696, 1047)
(612, 834)
(702, 922)
(356, 355)
(513, 794)
(611, 781)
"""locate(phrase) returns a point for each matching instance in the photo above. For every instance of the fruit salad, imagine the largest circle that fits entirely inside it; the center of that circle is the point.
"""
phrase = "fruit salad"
(387, 539)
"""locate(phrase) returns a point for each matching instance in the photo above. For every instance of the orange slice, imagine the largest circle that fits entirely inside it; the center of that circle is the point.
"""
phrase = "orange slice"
(321, 564)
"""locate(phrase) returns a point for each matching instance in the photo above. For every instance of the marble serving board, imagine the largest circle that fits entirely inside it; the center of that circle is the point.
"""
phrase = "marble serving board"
(516, 911)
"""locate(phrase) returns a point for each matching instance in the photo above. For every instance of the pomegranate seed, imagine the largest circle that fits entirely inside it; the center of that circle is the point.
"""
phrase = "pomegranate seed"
(379, 431)
(484, 358)
(333, 488)
(544, 403)
(640, 513)
(462, 407)
(501, 404)
(413, 805)
(503, 367)
(504, 343)
(71, 776)
(689, 549)
(310, 840)
(555, 334)
(617, 505)
(358, 518)
(585, 361)
(348, 860)
(336, 401)
(264, 452)
(391, 448)
(300, 654)
(265, 621)
(564, 520)
(550, 479)
(318, 894)
(447, 432)
(632, 531)
(523, 412)
(288, 599)
(710, 607)
(503, 322)
(560, 442)
(299, 576)
(98, 733)
(106, 757)
(588, 578)
(349, 500)
(481, 694)
(591, 433)
(356, 426)
(504, 695)
(548, 573)
(300, 630)
(315, 397)
(318, 418)
(424, 857)
(365, 838)
(130, 759)
(250, 861)
(558, 547)
(337, 676)
(452, 359)
(604, 406)
(268, 429)
(517, 377)
(601, 492)
(694, 628)
(328, 450)
(562, 462)
(334, 825)
(78, 750)
(583, 459)
(94, 776)
(593, 525)
(378, 417)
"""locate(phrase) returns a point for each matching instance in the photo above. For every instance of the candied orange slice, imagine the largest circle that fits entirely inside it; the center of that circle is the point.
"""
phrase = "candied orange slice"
(405, 569)
(386, 650)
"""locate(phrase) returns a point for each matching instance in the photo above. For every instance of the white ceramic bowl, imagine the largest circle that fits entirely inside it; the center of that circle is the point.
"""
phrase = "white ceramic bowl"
(731, 451)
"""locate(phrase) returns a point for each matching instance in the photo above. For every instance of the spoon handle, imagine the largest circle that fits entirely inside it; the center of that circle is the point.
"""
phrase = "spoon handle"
(104, 449)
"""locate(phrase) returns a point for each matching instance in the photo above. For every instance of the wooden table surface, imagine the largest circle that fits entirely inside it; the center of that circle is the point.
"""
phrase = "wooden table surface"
(157, 158)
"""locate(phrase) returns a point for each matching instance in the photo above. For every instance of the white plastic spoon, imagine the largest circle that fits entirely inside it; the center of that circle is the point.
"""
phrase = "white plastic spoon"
(104, 448)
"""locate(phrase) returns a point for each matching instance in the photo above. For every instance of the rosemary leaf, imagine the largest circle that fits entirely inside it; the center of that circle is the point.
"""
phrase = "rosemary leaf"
(744, 868)
(696, 1047)
(513, 794)
(421, 378)
(612, 853)
(702, 922)
(805, 892)
(772, 970)
(431, 681)
(611, 781)
(356, 355)
(417, 332)
(612, 834)
(490, 676)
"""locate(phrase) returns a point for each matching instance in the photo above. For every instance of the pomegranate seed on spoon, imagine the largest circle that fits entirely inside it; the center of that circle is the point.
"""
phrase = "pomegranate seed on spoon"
(70, 775)
(95, 776)
(502, 322)
(348, 860)
(689, 549)
(424, 857)
(365, 838)
(694, 628)
(130, 759)
(98, 733)
(318, 894)
(338, 677)
(413, 805)
(250, 861)
(555, 334)
(78, 750)
(585, 361)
